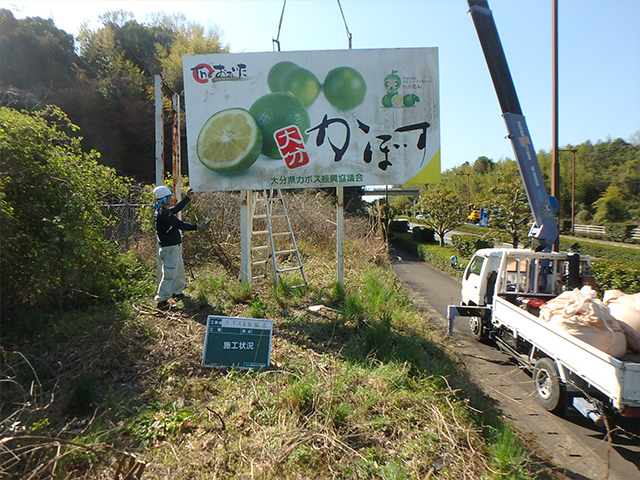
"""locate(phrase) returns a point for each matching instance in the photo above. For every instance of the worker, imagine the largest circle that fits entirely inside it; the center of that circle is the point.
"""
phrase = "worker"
(168, 227)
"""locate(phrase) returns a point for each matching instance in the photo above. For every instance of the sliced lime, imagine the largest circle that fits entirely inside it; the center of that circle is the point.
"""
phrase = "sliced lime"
(230, 141)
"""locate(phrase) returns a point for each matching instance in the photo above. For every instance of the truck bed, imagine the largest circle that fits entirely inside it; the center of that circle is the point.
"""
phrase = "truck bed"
(618, 379)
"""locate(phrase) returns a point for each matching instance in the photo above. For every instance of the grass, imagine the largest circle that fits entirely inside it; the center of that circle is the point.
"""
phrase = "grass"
(368, 388)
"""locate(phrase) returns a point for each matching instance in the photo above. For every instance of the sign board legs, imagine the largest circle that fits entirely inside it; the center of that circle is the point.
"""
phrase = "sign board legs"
(246, 273)
(340, 233)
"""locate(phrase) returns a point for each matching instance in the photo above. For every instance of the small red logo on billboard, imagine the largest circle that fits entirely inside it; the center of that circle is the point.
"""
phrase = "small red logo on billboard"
(291, 146)
(202, 72)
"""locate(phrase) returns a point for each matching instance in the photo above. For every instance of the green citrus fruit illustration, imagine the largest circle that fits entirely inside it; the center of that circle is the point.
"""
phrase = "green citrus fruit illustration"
(410, 100)
(386, 100)
(344, 88)
(274, 111)
(392, 82)
(277, 73)
(397, 100)
(230, 141)
(303, 84)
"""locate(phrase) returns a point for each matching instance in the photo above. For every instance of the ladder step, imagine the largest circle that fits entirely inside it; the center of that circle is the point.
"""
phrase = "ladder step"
(280, 270)
(285, 251)
(271, 214)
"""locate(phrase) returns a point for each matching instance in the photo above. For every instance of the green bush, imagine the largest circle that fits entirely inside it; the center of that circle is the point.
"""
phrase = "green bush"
(424, 235)
(440, 257)
(433, 254)
(627, 255)
(619, 231)
(53, 246)
(612, 275)
(466, 245)
(565, 226)
(158, 421)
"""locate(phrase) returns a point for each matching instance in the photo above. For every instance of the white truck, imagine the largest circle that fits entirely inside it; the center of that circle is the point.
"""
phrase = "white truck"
(502, 289)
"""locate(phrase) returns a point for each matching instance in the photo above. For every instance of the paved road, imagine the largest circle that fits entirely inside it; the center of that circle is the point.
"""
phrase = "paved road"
(573, 444)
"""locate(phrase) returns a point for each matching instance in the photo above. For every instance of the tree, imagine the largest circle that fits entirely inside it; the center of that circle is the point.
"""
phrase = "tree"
(189, 39)
(53, 245)
(120, 60)
(511, 212)
(483, 166)
(611, 207)
(401, 204)
(443, 209)
(37, 60)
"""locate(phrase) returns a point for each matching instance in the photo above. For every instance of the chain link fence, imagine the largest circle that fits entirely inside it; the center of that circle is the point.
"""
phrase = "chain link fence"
(126, 224)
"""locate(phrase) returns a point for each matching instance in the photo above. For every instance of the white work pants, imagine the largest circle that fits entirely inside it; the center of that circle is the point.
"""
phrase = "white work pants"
(172, 278)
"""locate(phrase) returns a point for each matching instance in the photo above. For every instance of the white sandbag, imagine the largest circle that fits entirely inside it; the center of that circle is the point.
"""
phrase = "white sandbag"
(625, 308)
(581, 314)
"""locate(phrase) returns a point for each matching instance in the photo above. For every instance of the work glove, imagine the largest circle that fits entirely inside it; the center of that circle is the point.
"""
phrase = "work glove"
(202, 227)
(189, 193)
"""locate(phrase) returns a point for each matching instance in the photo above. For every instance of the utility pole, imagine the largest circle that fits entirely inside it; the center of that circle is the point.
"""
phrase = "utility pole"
(468, 192)
(573, 189)
(555, 165)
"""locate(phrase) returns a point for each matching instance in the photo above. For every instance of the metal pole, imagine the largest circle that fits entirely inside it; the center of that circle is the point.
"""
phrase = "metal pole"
(573, 192)
(573, 189)
(175, 144)
(468, 191)
(246, 215)
(555, 165)
(340, 233)
(159, 157)
(127, 218)
(159, 131)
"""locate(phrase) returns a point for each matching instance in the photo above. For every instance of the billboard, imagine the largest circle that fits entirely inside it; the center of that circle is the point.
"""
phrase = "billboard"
(312, 119)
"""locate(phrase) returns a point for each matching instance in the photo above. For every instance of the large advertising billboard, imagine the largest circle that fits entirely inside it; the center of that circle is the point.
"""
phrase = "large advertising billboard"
(312, 119)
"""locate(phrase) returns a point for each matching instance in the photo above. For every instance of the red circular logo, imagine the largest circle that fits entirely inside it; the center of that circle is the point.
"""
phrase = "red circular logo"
(202, 72)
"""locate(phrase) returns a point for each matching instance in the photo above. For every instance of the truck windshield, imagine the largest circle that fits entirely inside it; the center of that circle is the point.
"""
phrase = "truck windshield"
(475, 267)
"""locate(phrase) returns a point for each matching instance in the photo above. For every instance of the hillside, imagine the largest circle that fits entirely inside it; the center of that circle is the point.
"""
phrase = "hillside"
(371, 391)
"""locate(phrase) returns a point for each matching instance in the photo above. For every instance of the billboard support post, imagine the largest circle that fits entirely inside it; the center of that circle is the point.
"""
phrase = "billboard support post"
(340, 233)
(160, 89)
(246, 273)
(176, 159)
(159, 130)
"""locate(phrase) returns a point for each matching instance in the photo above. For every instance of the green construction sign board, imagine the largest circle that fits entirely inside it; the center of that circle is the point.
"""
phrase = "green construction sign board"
(237, 342)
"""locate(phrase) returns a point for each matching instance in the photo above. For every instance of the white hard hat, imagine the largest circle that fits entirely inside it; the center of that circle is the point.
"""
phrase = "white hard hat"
(161, 192)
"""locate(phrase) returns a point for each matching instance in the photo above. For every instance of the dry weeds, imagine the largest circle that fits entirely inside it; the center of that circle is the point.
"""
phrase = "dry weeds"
(72, 402)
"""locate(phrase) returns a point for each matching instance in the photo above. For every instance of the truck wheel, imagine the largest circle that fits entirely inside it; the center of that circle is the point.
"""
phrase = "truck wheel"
(549, 390)
(477, 329)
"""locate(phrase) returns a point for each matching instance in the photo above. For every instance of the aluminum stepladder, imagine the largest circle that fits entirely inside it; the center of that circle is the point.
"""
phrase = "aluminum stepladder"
(277, 243)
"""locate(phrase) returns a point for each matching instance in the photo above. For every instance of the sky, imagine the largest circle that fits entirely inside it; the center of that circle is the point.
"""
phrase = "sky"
(598, 45)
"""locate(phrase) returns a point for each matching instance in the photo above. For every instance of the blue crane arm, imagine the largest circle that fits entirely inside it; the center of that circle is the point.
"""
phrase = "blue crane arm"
(545, 228)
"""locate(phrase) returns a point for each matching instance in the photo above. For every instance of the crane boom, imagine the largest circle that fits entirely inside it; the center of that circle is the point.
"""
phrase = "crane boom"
(545, 228)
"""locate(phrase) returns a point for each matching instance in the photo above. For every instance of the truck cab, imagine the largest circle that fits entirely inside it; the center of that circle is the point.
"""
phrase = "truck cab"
(477, 286)
(516, 273)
